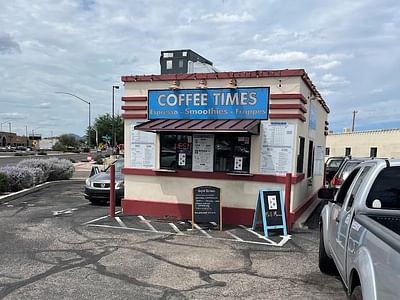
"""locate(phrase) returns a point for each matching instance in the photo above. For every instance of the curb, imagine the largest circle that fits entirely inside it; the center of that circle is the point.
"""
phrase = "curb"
(16, 195)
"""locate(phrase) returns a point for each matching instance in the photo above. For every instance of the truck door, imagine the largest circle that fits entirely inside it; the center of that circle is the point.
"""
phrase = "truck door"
(346, 216)
(337, 218)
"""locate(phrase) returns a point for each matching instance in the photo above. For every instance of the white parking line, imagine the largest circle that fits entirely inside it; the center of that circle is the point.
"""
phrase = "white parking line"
(98, 219)
(253, 232)
(120, 222)
(147, 223)
(201, 230)
(176, 229)
(129, 228)
(234, 236)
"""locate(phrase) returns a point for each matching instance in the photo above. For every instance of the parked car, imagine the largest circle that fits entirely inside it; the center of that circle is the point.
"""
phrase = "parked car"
(348, 165)
(360, 231)
(331, 166)
(97, 188)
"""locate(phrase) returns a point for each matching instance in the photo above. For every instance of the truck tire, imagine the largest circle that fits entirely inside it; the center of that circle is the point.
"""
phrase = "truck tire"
(356, 294)
(325, 263)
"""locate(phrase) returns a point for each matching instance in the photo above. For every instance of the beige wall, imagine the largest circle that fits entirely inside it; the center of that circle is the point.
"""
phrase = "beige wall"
(387, 142)
(236, 193)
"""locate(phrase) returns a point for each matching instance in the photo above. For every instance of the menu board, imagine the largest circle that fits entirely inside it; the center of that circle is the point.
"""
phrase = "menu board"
(206, 204)
(319, 155)
(276, 154)
(142, 148)
(203, 152)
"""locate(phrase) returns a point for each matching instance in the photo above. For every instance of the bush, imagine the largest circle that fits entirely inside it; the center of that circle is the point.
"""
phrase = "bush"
(18, 178)
(59, 147)
(38, 175)
(86, 150)
(99, 159)
(3, 183)
(60, 169)
(34, 163)
(42, 153)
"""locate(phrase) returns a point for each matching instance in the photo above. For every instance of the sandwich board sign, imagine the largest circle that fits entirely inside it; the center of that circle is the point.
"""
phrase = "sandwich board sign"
(270, 211)
(206, 206)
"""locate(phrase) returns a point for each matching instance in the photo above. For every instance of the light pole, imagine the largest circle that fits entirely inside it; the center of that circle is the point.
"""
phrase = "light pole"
(88, 103)
(114, 138)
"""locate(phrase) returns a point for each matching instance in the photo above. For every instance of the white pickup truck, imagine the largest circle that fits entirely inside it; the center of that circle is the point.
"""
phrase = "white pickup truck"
(360, 231)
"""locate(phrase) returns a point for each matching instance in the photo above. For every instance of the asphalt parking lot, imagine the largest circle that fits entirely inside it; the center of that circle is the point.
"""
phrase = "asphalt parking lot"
(55, 245)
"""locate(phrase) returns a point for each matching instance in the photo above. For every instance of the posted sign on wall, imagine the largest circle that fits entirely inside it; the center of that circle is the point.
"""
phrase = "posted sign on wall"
(212, 103)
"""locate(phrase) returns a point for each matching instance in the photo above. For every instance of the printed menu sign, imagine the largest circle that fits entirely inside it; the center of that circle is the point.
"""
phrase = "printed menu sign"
(276, 151)
(203, 152)
(142, 148)
(206, 204)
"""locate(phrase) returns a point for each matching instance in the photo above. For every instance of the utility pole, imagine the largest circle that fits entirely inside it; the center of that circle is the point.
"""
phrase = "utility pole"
(354, 119)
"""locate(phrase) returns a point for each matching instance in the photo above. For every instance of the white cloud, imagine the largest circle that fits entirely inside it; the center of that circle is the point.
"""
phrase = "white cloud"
(266, 56)
(227, 18)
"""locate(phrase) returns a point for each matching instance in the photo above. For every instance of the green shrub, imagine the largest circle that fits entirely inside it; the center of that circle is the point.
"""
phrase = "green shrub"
(3, 183)
(19, 154)
(42, 153)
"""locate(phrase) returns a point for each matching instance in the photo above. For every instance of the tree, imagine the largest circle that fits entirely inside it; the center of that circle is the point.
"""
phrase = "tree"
(65, 142)
(103, 126)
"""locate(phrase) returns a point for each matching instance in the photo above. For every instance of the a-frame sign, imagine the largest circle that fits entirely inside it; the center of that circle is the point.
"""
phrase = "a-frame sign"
(270, 211)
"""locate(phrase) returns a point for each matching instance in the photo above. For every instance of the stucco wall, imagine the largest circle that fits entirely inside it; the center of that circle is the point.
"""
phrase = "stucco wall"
(387, 142)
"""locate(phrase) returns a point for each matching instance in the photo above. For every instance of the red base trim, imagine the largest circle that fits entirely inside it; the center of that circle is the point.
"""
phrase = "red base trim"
(230, 215)
(216, 175)
(294, 216)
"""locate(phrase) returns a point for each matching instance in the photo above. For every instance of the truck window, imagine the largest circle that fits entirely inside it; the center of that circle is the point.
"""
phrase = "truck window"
(385, 190)
(357, 186)
(345, 187)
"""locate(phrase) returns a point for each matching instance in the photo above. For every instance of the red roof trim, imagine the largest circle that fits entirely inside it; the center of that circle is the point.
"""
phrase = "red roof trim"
(288, 106)
(287, 116)
(134, 116)
(218, 75)
(138, 107)
(134, 98)
(289, 96)
(213, 175)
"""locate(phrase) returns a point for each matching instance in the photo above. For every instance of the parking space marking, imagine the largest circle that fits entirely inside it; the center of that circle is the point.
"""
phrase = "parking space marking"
(234, 236)
(176, 229)
(201, 230)
(188, 233)
(147, 223)
(128, 228)
(98, 219)
(120, 222)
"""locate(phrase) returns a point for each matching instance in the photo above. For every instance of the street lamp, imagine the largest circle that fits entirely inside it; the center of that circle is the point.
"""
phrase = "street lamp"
(88, 103)
(114, 138)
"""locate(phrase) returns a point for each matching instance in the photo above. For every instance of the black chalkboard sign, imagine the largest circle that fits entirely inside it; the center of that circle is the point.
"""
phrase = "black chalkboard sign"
(206, 205)
(272, 202)
(270, 211)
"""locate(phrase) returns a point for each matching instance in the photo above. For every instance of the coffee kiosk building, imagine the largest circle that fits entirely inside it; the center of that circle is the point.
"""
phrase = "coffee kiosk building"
(238, 131)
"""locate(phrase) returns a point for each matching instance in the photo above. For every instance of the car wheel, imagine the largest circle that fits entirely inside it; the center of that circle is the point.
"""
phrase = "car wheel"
(325, 263)
(356, 294)
(94, 201)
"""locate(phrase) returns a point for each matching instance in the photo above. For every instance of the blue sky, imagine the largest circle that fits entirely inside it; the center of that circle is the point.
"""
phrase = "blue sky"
(350, 49)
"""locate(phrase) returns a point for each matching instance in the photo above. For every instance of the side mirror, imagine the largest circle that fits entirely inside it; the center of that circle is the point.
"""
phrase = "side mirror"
(327, 193)
(95, 170)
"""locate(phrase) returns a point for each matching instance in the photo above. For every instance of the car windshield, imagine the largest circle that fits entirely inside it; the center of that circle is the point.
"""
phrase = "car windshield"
(119, 164)
(348, 167)
(334, 163)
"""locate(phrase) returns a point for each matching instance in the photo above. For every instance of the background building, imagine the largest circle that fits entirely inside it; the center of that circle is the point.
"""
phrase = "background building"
(373, 143)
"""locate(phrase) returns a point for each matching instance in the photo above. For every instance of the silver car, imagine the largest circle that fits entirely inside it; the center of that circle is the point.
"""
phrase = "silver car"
(97, 187)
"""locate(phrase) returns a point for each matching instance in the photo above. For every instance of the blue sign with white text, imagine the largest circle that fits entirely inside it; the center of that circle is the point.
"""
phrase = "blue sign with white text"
(212, 104)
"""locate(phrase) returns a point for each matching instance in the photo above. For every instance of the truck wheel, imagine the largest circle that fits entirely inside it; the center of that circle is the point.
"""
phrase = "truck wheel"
(325, 263)
(356, 294)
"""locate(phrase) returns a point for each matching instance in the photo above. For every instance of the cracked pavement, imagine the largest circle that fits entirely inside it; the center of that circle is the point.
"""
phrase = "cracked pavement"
(43, 256)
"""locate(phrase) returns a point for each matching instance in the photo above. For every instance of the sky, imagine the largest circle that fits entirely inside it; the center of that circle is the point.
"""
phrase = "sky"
(350, 50)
